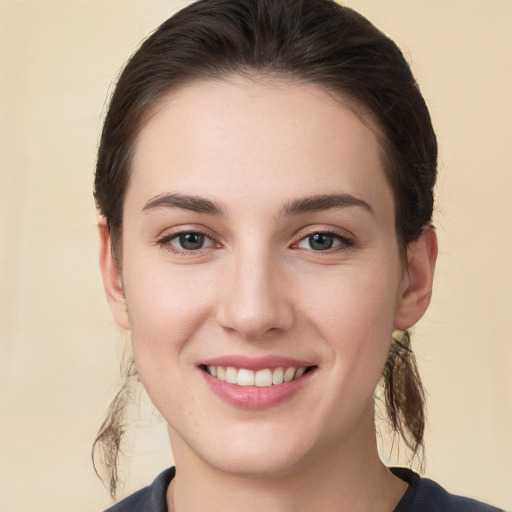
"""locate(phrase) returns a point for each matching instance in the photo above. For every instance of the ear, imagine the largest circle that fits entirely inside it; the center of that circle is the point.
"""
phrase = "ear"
(418, 278)
(112, 278)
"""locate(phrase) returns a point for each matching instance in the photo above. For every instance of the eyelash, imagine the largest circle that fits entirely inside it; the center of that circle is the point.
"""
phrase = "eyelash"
(344, 242)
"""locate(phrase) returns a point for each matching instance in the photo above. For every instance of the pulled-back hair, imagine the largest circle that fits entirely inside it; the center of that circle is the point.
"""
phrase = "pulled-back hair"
(313, 41)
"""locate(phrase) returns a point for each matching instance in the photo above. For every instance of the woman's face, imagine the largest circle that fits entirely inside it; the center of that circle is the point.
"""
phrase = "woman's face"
(259, 243)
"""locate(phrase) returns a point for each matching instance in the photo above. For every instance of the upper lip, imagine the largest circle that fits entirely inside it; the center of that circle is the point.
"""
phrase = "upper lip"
(256, 363)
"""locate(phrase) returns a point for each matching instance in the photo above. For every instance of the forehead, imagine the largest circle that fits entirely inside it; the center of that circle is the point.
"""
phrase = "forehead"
(241, 138)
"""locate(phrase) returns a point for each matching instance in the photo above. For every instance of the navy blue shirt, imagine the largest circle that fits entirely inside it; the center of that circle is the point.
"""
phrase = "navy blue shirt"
(422, 495)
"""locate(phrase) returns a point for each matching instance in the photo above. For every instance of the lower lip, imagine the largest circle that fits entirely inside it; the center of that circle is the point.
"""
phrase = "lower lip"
(253, 397)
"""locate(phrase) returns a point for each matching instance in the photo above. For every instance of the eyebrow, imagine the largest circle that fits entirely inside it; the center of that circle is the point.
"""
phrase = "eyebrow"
(323, 202)
(184, 202)
(297, 206)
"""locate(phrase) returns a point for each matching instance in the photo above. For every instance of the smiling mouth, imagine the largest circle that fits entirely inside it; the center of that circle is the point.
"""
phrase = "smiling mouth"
(263, 378)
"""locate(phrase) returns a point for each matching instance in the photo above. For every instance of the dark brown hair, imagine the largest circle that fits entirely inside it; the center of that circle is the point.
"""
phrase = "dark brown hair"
(313, 41)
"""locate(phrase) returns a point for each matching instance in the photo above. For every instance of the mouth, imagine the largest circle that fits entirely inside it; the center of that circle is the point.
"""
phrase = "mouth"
(256, 383)
(262, 378)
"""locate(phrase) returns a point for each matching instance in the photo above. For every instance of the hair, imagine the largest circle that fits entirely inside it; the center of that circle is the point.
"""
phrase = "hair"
(313, 41)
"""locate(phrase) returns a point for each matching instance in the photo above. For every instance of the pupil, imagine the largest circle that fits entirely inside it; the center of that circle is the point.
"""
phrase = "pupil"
(191, 241)
(321, 242)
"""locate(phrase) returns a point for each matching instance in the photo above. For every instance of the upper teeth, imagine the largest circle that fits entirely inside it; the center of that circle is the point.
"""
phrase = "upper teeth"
(261, 378)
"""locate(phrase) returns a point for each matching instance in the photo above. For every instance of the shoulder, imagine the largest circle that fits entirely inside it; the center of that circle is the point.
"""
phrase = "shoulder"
(425, 495)
(148, 499)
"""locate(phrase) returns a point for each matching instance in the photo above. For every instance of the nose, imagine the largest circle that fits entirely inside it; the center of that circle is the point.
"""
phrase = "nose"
(255, 298)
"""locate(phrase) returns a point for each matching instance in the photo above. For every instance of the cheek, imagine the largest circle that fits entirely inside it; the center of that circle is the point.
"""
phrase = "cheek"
(354, 311)
(164, 308)
(165, 311)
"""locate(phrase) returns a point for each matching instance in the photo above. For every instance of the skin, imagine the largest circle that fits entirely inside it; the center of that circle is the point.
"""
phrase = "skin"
(257, 288)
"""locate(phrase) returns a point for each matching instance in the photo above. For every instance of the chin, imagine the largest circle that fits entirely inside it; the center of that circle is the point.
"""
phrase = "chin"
(258, 466)
(245, 453)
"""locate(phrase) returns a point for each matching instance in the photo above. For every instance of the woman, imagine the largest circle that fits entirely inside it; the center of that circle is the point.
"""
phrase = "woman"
(265, 183)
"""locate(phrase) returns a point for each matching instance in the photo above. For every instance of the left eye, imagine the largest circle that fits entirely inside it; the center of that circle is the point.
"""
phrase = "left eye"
(320, 242)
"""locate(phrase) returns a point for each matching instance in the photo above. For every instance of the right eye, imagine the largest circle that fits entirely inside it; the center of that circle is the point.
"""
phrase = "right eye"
(189, 241)
(186, 241)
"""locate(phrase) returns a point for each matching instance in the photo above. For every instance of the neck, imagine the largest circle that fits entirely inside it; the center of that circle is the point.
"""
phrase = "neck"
(351, 478)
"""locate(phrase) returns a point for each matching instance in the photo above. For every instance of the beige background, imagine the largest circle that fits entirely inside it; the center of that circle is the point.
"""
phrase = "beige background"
(58, 346)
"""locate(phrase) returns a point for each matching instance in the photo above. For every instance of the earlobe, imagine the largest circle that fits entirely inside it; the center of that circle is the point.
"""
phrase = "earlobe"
(415, 298)
(112, 278)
